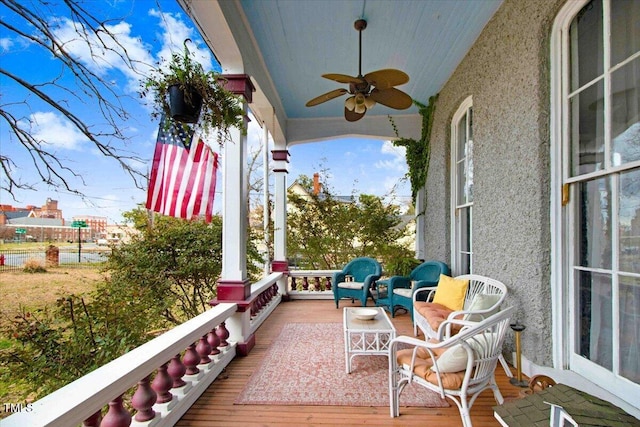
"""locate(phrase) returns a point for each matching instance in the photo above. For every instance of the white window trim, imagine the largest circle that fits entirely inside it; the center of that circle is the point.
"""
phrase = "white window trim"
(460, 112)
(561, 307)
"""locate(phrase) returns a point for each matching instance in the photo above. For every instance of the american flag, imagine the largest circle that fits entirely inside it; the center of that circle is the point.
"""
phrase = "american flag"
(183, 174)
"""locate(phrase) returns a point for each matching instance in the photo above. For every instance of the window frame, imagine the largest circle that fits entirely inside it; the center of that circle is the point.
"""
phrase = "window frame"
(564, 188)
(456, 233)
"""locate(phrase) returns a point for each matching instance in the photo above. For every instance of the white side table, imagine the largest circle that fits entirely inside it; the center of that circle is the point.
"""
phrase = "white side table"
(362, 337)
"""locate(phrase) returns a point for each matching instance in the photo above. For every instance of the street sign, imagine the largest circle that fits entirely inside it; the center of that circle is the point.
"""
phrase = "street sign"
(78, 224)
(21, 231)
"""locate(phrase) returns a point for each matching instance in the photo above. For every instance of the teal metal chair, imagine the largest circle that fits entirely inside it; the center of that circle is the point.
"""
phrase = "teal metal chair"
(356, 279)
(400, 289)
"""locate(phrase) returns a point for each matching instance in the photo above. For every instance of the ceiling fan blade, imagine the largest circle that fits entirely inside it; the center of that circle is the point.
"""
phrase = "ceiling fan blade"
(352, 116)
(392, 98)
(342, 78)
(387, 78)
(326, 97)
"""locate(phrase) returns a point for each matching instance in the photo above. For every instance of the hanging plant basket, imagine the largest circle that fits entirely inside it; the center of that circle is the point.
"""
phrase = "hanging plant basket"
(184, 105)
(184, 92)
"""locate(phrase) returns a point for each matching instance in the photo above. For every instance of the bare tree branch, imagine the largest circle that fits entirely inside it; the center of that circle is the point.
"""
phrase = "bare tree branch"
(35, 24)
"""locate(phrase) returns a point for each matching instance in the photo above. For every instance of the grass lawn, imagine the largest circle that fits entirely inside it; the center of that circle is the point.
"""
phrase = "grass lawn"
(33, 291)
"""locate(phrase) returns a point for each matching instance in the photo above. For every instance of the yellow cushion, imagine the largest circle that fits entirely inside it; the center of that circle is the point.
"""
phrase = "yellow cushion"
(450, 292)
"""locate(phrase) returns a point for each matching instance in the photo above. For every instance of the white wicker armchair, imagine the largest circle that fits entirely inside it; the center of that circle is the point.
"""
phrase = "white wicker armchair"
(483, 298)
(459, 368)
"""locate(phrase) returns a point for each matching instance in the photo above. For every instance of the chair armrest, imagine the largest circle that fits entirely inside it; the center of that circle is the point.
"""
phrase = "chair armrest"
(370, 280)
(397, 282)
(424, 284)
(416, 343)
(338, 277)
(430, 290)
(444, 330)
(479, 312)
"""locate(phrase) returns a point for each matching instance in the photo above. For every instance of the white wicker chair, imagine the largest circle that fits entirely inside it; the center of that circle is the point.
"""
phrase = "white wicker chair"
(481, 347)
(477, 285)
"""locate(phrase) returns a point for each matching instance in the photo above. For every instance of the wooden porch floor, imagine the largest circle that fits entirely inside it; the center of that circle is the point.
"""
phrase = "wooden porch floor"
(215, 407)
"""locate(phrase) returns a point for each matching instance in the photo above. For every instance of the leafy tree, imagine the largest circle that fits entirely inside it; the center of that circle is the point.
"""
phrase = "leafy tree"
(178, 262)
(325, 232)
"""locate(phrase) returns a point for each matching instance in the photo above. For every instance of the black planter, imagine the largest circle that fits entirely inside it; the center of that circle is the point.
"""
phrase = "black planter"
(181, 109)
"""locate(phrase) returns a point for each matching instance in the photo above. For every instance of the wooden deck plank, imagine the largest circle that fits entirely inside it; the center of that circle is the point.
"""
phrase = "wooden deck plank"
(215, 407)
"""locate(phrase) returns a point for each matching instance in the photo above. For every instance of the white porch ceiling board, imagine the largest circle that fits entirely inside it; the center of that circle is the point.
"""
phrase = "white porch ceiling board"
(286, 45)
(302, 39)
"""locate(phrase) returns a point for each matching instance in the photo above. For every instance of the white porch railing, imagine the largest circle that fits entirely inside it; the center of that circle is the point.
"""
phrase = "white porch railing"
(178, 382)
(265, 297)
(310, 284)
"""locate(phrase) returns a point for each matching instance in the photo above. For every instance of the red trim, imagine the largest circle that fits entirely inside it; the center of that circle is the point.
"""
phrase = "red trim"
(239, 84)
(233, 290)
(280, 266)
(243, 348)
(280, 155)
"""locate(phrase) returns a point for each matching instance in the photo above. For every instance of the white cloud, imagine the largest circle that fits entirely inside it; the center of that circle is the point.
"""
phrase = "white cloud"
(174, 32)
(54, 130)
(106, 54)
(396, 163)
(5, 44)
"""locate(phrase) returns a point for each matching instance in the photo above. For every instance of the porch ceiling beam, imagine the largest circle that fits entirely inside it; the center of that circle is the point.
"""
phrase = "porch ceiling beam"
(305, 130)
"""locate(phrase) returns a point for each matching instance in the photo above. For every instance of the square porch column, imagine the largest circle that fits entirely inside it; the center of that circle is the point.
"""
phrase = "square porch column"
(280, 263)
(234, 285)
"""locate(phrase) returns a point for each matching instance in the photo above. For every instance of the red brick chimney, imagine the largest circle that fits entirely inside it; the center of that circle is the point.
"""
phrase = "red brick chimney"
(316, 184)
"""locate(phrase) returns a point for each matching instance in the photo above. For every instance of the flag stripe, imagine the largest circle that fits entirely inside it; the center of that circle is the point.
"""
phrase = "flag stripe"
(186, 188)
(183, 175)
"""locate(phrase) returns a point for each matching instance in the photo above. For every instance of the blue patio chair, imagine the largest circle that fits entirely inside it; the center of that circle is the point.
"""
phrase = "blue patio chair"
(355, 280)
(400, 289)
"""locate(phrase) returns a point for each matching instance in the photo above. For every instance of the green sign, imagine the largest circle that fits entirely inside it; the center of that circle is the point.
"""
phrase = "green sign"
(21, 231)
(79, 224)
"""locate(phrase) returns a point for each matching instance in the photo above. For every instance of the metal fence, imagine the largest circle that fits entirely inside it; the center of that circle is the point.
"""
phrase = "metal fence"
(15, 259)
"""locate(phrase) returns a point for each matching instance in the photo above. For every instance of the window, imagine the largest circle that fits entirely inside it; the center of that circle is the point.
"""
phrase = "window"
(598, 163)
(462, 189)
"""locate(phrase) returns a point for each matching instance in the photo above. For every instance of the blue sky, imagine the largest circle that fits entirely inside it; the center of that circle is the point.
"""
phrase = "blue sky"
(151, 30)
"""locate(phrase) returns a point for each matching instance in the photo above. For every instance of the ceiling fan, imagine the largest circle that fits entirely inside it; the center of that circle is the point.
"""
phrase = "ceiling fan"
(366, 91)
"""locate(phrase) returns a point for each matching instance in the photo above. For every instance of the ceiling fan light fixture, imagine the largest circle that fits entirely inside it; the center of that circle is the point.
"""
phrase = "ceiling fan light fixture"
(360, 108)
(350, 103)
(369, 103)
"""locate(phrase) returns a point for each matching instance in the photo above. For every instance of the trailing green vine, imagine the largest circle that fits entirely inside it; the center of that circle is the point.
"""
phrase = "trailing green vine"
(418, 151)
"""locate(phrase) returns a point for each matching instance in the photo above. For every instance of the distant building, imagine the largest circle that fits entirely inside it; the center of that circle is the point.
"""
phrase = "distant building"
(97, 225)
(47, 224)
(120, 233)
(48, 210)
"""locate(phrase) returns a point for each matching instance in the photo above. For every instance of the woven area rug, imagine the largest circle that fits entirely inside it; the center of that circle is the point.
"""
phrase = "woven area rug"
(305, 365)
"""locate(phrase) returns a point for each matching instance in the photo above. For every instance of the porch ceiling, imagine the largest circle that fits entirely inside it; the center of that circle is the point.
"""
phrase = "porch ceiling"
(285, 46)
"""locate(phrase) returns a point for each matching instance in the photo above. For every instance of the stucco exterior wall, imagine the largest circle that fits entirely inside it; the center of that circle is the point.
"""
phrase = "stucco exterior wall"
(507, 73)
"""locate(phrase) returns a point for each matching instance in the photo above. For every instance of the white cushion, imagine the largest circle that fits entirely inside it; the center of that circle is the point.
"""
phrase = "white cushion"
(455, 358)
(482, 302)
(403, 292)
(351, 285)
